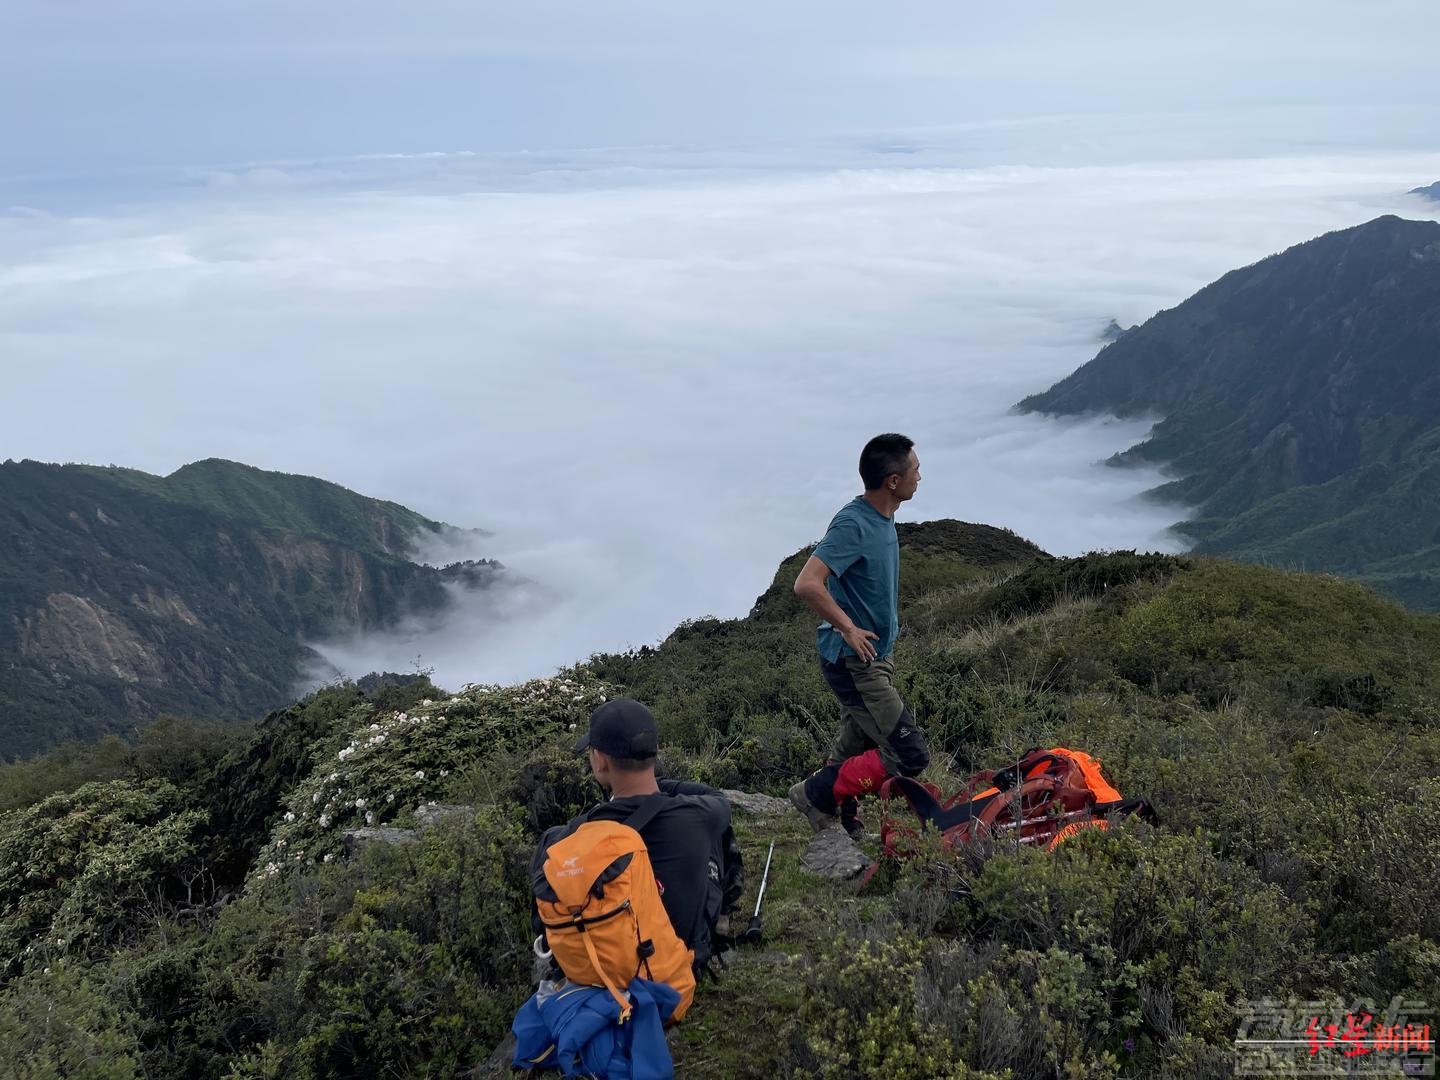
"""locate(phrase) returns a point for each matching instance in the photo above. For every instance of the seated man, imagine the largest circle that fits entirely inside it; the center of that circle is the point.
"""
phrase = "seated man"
(687, 834)
(628, 927)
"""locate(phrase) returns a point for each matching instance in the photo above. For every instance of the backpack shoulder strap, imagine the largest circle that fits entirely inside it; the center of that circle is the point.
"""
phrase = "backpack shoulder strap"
(641, 816)
(921, 799)
(646, 811)
(1029, 761)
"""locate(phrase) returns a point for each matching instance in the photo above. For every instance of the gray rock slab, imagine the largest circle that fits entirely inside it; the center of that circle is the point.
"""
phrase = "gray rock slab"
(754, 803)
(497, 1064)
(426, 817)
(833, 854)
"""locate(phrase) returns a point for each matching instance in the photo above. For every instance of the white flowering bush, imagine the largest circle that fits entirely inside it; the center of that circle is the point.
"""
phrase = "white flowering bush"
(396, 762)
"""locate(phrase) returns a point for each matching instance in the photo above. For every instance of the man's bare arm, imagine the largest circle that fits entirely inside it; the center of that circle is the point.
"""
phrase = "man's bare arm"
(810, 587)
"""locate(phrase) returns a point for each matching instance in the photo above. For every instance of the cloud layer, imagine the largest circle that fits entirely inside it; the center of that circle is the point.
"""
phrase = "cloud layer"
(650, 380)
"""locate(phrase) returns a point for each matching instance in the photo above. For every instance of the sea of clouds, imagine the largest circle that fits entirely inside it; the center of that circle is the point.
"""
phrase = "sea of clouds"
(647, 373)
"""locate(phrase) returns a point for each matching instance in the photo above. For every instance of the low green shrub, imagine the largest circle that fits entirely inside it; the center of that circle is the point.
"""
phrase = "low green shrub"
(80, 871)
(59, 1023)
(424, 968)
(862, 1017)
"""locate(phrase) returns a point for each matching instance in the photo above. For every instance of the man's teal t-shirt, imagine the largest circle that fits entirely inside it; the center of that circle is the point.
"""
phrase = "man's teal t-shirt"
(863, 553)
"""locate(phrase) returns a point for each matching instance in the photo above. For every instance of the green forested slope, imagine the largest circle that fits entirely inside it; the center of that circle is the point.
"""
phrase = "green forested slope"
(298, 505)
(123, 595)
(192, 911)
(1300, 400)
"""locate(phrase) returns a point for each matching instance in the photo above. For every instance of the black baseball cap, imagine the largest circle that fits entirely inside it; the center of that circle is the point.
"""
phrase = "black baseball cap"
(623, 729)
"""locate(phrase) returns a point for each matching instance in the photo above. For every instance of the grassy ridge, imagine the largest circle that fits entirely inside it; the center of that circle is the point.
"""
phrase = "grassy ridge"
(1283, 724)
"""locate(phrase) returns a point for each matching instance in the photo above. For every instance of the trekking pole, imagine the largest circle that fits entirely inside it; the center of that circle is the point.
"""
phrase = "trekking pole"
(752, 932)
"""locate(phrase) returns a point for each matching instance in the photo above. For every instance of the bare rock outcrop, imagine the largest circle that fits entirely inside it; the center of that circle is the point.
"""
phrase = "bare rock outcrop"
(833, 854)
(754, 803)
(426, 817)
(71, 631)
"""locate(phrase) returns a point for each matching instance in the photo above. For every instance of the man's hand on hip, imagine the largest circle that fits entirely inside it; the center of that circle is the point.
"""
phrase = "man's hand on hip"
(860, 640)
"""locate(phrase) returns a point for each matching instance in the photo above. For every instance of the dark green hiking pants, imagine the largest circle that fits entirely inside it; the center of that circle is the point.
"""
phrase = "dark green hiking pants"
(875, 717)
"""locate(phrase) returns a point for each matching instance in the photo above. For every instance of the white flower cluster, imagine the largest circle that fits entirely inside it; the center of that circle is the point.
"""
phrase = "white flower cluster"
(559, 686)
(404, 740)
(372, 736)
(376, 734)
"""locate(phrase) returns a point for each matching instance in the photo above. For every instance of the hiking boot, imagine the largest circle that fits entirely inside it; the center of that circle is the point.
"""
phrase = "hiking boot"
(818, 818)
(850, 816)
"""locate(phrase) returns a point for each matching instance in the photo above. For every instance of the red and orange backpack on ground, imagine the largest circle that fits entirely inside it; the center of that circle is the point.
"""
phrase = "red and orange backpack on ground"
(1043, 799)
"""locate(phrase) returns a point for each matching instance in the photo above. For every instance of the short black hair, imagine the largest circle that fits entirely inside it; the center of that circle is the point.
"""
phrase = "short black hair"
(632, 765)
(884, 455)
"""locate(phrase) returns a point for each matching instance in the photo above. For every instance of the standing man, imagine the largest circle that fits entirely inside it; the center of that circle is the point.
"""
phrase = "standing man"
(852, 581)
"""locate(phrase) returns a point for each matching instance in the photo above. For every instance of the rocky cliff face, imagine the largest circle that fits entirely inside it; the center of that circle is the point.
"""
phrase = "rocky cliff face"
(123, 595)
(71, 632)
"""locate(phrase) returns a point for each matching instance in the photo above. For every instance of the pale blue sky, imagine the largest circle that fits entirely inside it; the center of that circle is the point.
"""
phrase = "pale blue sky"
(99, 85)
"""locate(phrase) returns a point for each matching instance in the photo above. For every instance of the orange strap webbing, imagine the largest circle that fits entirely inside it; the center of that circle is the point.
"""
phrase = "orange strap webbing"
(622, 1000)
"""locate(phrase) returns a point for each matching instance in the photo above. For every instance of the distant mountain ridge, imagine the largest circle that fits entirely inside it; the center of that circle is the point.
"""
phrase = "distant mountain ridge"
(1430, 191)
(124, 594)
(1300, 400)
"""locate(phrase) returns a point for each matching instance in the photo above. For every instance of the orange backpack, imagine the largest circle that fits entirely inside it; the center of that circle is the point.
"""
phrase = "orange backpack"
(604, 920)
(1045, 798)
